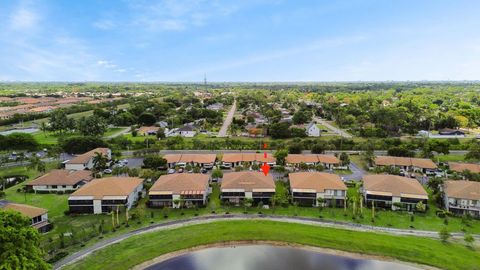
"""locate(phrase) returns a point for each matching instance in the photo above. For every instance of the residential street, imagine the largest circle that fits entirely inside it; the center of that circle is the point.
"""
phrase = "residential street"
(207, 219)
(224, 129)
(332, 128)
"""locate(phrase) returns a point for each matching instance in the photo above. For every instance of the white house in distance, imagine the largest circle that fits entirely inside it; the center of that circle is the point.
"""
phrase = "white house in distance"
(237, 186)
(191, 188)
(85, 160)
(307, 187)
(186, 131)
(313, 130)
(105, 195)
(39, 216)
(462, 197)
(60, 180)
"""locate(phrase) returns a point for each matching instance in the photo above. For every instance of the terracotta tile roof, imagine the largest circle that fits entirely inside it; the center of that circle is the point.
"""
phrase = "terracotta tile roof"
(260, 157)
(247, 180)
(462, 189)
(424, 163)
(311, 158)
(296, 158)
(196, 158)
(181, 182)
(62, 177)
(27, 210)
(172, 158)
(85, 157)
(328, 159)
(110, 186)
(235, 157)
(405, 161)
(248, 157)
(316, 180)
(460, 167)
(394, 184)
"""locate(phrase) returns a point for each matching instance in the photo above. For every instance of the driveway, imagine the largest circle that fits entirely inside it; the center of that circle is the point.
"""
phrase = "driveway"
(228, 121)
(357, 173)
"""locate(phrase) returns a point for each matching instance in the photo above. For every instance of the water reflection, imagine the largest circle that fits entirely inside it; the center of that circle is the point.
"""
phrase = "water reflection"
(264, 257)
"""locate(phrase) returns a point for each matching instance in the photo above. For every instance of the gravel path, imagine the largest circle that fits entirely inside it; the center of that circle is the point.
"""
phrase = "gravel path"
(212, 218)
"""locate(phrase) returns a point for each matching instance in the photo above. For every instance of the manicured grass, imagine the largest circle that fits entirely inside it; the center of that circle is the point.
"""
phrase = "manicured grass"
(56, 204)
(451, 157)
(138, 249)
(50, 138)
(113, 131)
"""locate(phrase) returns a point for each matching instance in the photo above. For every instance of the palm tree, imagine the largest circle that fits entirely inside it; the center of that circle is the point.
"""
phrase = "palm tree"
(247, 203)
(99, 162)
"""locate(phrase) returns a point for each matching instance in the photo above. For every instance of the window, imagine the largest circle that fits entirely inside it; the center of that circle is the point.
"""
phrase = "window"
(54, 186)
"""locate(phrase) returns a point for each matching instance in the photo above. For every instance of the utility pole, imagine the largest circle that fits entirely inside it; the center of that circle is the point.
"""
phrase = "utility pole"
(205, 81)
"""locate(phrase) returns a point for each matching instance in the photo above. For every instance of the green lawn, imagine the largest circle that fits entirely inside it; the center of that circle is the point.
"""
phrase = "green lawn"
(138, 249)
(113, 131)
(51, 138)
(56, 204)
(451, 157)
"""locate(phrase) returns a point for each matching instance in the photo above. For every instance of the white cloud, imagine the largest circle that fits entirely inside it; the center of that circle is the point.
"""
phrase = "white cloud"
(23, 19)
(170, 15)
(104, 24)
(106, 64)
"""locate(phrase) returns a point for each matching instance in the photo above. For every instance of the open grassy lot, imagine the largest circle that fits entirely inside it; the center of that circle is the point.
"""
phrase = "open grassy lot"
(50, 138)
(137, 249)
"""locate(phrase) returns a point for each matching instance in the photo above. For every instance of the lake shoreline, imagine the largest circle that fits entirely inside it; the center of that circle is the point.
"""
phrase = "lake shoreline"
(328, 251)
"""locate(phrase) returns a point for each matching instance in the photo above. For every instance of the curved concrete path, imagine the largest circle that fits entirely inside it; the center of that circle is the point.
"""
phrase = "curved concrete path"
(212, 218)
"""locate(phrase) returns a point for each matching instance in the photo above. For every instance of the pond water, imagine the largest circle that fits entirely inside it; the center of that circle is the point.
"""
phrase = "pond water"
(266, 257)
(20, 130)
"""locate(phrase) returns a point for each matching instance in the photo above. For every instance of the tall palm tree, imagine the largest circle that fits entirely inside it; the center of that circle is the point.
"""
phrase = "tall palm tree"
(99, 162)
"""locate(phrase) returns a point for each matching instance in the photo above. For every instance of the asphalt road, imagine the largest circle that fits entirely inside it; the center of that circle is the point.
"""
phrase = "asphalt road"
(212, 218)
(228, 121)
(333, 129)
(357, 173)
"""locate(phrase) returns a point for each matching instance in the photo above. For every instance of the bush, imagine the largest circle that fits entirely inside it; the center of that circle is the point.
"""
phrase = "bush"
(60, 192)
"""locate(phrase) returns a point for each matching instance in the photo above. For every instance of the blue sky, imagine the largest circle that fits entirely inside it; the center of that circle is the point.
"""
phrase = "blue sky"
(264, 40)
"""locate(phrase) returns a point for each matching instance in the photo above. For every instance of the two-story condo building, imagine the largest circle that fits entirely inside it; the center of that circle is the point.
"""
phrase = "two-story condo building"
(231, 160)
(462, 197)
(38, 216)
(384, 190)
(236, 186)
(60, 180)
(328, 161)
(192, 189)
(408, 164)
(105, 195)
(85, 160)
(307, 187)
(206, 161)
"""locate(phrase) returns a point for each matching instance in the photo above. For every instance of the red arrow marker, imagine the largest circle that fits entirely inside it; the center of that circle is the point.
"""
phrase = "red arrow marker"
(265, 168)
(265, 155)
(265, 146)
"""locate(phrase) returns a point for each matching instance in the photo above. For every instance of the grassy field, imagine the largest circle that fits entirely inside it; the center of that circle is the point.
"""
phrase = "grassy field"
(138, 249)
(50, 138)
